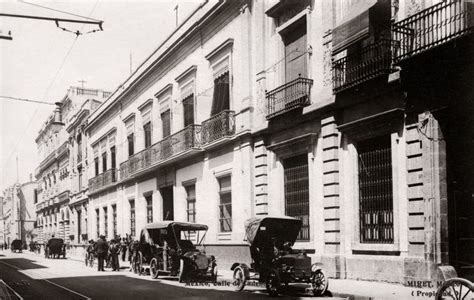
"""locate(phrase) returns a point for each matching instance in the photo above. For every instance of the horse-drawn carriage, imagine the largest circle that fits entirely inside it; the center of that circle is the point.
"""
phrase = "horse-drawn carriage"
(17, 246)
(274, 262)
(166, 248)
(55, 248)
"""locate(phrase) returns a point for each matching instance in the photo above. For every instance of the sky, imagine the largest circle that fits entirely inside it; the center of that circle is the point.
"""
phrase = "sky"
(43, 61)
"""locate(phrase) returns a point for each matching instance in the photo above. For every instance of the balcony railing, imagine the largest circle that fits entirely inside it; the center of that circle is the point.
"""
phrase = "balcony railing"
(103, 180)
(188, 138)
(289, 96)
(433, 26)
(356, 68)
(218, 126)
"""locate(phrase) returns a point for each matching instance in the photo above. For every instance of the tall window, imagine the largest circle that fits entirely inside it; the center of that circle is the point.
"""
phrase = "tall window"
(106, 222)
(220, 99)
(97, 228)
(79, 148)
(104, 161)
(131, 146)
(79, 178)
(375, 190)
(113, 161)
(297, 191)
(295, 51)
(132, 218)
(96, 166)
(191, 202)
(114, 220)
(225, 204)
(188, 110)
(149, 208)
(166, 123)
(147, 132)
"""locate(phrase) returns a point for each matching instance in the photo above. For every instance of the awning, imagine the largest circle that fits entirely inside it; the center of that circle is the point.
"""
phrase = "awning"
(353, 27)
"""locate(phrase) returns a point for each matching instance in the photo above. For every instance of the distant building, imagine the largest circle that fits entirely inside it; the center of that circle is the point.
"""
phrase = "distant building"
(18, 215)
(59, 172)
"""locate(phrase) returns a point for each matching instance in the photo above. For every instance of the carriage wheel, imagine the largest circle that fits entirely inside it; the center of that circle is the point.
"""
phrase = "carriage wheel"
(154, 268)
(182, 273)
(319, 283)
(273, 283)
(455, 288)
(239, 279)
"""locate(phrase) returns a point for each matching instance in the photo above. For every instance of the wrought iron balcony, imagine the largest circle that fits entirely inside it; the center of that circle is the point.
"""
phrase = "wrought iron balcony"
(358, 67)
(103, 180)
(173, 145)
(432, 27)
(289, 96)
(218, 126)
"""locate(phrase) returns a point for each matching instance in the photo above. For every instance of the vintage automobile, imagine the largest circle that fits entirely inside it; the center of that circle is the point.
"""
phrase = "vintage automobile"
(17, 246)
(274, 262)
(167, 249)
(55, 248)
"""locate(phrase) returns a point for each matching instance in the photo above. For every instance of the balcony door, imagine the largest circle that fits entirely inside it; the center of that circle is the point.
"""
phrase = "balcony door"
(168, 207)
(294, 40)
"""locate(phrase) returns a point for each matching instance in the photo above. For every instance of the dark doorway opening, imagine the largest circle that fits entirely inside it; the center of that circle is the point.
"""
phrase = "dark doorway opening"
(458, 129)
(168, 209)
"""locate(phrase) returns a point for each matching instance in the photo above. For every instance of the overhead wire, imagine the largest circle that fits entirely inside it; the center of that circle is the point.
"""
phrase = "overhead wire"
(26, 100)
(46, 91)
(57, 10)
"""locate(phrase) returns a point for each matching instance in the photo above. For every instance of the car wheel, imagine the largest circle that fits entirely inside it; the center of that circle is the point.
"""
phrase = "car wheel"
(319, 283)
(455, 288)
(273, 283)
(182, 271)
(239, 279)
(154, 268)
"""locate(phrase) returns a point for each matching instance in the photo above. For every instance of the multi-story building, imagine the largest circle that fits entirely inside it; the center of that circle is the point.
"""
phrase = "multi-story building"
(353, 116)
(60, 171)
(18, 212)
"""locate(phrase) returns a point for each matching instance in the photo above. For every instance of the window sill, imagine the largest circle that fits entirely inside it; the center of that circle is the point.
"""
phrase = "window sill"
(376, 249)
(224, 236)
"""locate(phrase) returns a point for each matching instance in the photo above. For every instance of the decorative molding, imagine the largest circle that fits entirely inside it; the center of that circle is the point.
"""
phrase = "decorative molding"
(128, 118)
(145, 104)
(294, 146)
(167, 87)
(227, 43)
(187, 72)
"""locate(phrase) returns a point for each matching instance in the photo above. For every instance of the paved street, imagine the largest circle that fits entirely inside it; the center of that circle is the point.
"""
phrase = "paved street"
(30, 276)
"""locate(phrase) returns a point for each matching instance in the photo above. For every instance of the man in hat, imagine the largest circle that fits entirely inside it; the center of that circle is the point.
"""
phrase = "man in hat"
(101, 249)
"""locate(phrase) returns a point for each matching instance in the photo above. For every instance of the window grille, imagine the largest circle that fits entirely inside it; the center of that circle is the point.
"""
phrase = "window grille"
(375, 191)
(297, 192)
(149, 209)
(106, 219)
(97, 228)
(114, 220)
(191, 203)
(225, 204)
(132, 218)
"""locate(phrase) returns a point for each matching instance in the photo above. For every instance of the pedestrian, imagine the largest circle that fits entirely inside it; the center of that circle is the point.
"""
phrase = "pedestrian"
(100, 248)
(114, 255)
(123, 248)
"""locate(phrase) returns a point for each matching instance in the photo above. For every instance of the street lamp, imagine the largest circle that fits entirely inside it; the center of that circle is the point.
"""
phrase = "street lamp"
(57, 123)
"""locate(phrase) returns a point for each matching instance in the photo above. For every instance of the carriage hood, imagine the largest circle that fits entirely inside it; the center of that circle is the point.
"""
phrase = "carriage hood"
(261, 231)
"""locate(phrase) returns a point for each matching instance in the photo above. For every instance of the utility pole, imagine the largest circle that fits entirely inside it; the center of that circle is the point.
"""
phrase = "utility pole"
(82, 83)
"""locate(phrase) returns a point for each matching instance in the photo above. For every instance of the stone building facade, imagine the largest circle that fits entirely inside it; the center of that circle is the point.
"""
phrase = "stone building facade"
(61, 198)
(349, 115)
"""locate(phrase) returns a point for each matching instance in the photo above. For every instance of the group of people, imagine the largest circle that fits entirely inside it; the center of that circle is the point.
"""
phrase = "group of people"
(108, 252)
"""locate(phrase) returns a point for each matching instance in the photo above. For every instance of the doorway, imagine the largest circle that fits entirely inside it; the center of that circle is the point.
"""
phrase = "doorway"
(168, 209)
